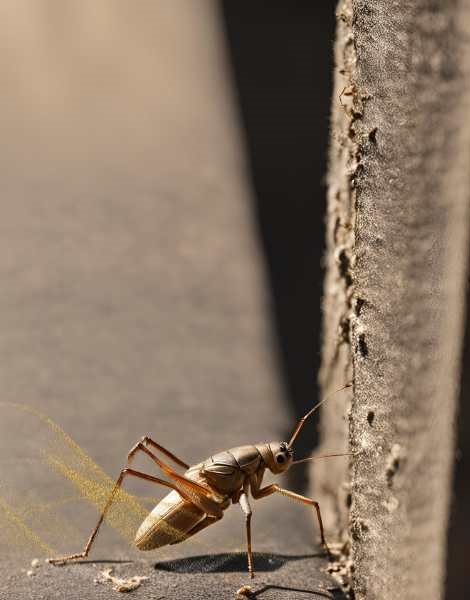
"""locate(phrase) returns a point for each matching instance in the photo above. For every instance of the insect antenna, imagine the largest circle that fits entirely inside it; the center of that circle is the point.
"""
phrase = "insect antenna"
(300, 424)
(302, 460)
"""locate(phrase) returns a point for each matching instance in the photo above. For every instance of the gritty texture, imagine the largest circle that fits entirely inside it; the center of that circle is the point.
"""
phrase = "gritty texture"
(410, 91)
(218, 576)
(330, 477)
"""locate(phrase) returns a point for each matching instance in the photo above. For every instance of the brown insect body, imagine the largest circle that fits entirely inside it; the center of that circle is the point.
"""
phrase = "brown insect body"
(175, 519)
(201, 494)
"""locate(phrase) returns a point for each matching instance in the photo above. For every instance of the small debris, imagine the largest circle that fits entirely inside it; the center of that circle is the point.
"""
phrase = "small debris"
(35, 564)
(393, 463)
(341, 567)
(120, 584)
(391, 504)
(359, 529)
(336, 549)
(246, 591)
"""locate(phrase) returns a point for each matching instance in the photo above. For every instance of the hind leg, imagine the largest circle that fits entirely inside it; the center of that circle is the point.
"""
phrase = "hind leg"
(84, 553)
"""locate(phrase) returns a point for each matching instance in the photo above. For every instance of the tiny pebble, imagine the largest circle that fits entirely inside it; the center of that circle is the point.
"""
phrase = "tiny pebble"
(35, 563)
(245, 591)
(30, 573)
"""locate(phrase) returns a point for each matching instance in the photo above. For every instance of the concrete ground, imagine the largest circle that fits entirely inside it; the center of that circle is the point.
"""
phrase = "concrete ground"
(133, 296)
(286, 581)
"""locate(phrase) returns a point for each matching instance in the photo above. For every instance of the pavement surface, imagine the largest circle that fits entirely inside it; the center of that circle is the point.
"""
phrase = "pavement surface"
(133, 297)
(219, 576)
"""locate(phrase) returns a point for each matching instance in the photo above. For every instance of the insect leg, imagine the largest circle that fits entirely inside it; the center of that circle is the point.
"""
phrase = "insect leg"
(201, 496)
(111, 498)
(271, 489)
(148, 441)
(246, 508)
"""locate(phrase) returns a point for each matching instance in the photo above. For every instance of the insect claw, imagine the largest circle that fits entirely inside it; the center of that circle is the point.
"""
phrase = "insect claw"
(56, 562)
(245, 592)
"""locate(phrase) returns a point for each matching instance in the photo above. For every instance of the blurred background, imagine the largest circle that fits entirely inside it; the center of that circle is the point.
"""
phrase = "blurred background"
(163, 206)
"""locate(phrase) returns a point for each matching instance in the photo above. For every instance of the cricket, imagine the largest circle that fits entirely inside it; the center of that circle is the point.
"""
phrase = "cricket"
(201, 493)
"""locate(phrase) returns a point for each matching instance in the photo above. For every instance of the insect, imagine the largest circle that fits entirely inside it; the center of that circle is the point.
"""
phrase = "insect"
(201, 493)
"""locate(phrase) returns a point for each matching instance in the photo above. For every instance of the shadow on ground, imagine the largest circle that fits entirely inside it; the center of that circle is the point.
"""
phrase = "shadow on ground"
(333, 595)
(236, 562)
(232, 562)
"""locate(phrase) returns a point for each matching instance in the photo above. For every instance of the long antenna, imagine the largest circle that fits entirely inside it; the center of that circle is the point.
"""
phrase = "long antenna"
(302, 460)
(300, 424)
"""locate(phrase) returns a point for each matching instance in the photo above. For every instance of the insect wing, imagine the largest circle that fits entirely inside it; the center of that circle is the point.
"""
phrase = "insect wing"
(51, 493)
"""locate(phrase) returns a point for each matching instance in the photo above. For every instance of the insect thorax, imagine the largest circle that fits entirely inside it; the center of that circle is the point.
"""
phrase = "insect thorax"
(226, 471)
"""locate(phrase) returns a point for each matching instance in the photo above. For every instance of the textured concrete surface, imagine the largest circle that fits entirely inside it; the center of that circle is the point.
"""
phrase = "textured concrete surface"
(279, 577)
(409, 261)
(133, 300)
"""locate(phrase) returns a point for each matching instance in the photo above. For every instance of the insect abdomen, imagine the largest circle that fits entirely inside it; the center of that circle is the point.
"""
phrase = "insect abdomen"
(168, 523)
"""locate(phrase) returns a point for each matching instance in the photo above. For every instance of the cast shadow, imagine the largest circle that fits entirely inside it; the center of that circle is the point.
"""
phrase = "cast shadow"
(230, 562)
(236, 562)
(281, 58)
(334, 594)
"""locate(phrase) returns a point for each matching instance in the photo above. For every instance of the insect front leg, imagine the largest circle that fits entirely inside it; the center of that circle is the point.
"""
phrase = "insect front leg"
(246, 508)
(273, 488)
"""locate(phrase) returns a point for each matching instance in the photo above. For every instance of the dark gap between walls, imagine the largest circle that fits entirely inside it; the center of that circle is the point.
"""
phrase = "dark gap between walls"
(281, 55)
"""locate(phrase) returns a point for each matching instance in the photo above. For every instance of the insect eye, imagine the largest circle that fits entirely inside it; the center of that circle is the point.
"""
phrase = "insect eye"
(280, 458)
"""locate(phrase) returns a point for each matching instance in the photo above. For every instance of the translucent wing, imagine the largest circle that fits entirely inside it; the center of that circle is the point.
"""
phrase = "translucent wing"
(51, 493)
